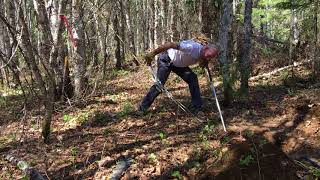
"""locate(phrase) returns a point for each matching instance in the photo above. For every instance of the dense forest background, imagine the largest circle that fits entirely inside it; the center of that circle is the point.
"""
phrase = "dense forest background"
(58, 56)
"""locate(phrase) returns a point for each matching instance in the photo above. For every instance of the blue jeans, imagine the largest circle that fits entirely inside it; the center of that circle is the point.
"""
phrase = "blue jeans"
(164, 69)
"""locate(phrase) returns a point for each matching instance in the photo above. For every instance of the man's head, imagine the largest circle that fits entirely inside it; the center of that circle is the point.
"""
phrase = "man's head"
(209, 51)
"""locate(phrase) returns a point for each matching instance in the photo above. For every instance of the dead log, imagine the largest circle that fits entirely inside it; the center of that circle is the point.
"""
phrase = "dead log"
(121, 167)
(22, 165)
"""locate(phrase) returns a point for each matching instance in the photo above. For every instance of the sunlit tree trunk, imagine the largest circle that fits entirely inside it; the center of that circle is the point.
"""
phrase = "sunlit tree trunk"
(151, 23)
(130, 30)
(79, 56)
(293, 34)
(174, 21)
(156, 18)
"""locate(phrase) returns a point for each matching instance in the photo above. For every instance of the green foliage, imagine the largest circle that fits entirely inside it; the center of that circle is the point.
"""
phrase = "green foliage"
(206, 132)
(196, 164)
(262, 142)
(162, 135)
(208, 128)
(7, 174)
(126, 109)
(119, 73)
(3, 101)
(13, 137)
(268, 13)
(83, 117)
(22, 165)
(67, 117)
(100, 118)
(106, 132)
(152, 158)
(176, 174)
(297, 4)
(74, 153)
(225, 140)
(314, 171)
(248, 133)
(34, 125)
(199, 70)
(246, 160)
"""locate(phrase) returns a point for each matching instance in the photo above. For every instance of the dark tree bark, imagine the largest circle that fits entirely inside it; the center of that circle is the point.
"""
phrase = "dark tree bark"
(245, 62)
(316, 59)
(117, 40)
(223, 40)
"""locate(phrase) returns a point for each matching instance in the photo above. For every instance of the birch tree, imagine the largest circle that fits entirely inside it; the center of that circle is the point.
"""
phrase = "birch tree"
(79, 56)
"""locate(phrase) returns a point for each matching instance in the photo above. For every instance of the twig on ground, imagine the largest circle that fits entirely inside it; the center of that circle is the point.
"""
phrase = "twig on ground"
(257, 155)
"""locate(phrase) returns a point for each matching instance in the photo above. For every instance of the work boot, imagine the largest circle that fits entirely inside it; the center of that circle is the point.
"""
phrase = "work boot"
(141, 111)
(198, 112)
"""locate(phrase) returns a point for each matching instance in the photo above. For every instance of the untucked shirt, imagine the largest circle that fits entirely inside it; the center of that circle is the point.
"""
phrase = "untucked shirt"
(187, 54)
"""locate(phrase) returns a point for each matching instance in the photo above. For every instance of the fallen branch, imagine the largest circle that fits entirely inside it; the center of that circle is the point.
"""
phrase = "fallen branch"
(278, 70)
(22, 165)
(121, 167)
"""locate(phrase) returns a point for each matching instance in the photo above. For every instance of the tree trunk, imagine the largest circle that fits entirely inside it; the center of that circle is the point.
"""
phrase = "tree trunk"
(174, 21)
(132, 46)
(145, 28)
(117, 40)
(245, 69)
(80, 64)
(46, 95)
(105, 54)
(122, 34)
(316, 59)
(223, 40)
(151, 23)
(293, 35)
(166, 21)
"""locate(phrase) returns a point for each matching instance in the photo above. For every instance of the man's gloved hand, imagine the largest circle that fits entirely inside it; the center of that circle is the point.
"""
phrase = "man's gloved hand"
(203, 63)
(149, 58)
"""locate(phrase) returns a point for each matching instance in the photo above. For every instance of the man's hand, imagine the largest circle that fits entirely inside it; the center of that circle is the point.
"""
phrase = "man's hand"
(203, 63)
(149, 58)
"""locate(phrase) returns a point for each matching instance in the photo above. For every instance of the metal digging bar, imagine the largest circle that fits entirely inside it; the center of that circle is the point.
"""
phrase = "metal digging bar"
(215, 95)
(170, 96)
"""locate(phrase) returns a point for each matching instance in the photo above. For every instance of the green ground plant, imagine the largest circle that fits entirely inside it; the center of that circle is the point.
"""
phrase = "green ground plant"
(74, 153)
(246, 160)
(126, 109)
(176, 174)
(152, 158)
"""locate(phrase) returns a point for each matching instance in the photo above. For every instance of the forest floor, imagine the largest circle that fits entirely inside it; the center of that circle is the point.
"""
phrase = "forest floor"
(272, 134)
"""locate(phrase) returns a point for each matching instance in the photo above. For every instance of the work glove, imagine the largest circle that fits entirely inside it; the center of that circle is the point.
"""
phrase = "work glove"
(149, 58)
(203, 63)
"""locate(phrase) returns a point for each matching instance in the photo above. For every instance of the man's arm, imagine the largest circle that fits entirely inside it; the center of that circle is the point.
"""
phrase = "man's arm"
(150, 56)
(165, 47)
